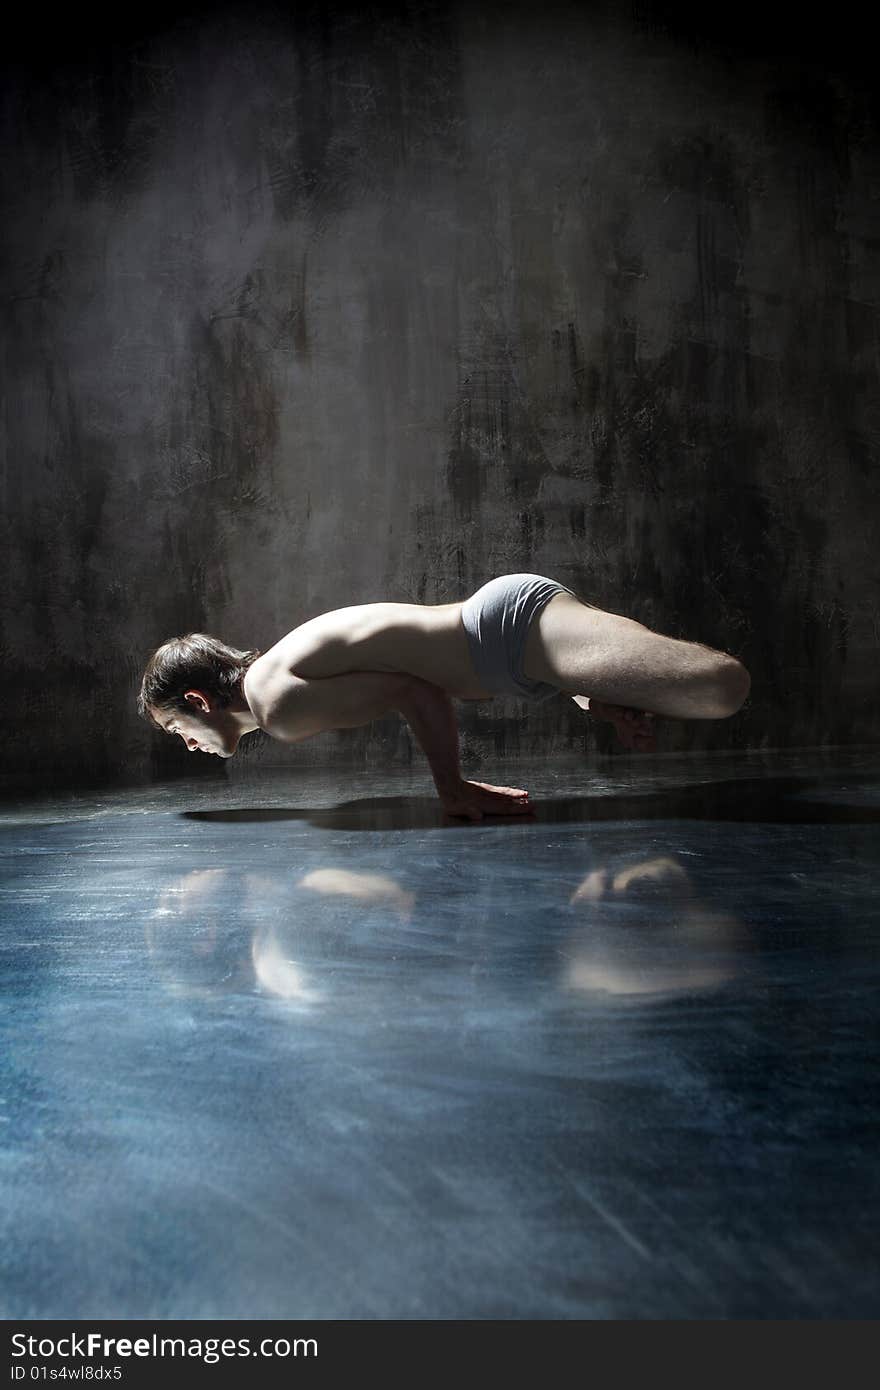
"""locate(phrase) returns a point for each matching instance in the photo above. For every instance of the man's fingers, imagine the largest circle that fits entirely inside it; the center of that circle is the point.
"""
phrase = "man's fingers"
(480, 800)
(487, 787)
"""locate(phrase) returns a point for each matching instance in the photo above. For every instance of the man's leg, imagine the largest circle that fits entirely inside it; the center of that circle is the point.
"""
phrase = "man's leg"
(617, 661)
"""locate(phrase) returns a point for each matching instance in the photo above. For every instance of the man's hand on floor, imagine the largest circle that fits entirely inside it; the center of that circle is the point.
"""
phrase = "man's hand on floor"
(474, 800)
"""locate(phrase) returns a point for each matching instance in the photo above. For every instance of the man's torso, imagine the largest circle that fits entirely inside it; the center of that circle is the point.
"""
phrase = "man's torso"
(423, 640)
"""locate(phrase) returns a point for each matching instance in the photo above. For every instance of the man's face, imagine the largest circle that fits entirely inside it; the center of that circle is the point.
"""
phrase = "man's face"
(203, 727)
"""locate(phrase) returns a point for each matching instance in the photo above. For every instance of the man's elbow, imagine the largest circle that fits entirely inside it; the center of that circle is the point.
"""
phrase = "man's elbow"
(285, 732)
(403, 690)
(417, 699)
(289, 721)
(393, 696)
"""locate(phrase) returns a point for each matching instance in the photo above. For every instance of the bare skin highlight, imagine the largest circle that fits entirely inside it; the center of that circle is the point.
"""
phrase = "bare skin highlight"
(349, 666)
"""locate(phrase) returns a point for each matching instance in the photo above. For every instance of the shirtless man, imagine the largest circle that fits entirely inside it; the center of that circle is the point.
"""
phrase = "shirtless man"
(519, 634)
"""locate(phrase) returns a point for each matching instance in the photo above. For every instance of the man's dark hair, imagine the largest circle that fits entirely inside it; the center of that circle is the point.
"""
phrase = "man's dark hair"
(193, 662)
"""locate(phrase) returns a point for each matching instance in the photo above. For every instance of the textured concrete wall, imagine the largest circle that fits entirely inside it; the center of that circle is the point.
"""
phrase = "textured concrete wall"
(300, 313)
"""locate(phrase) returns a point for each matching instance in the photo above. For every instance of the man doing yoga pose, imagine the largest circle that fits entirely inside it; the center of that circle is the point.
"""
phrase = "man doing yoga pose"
(519, 634)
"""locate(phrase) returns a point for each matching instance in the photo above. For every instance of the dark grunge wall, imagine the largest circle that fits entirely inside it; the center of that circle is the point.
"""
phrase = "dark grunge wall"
(324, 306)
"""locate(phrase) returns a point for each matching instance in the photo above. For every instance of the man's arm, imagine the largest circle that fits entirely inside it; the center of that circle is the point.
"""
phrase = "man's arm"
(428, 711)
(294, 709)
(291, 708)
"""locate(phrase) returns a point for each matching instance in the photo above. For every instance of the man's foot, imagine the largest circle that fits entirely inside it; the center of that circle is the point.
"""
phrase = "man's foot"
(634, 728)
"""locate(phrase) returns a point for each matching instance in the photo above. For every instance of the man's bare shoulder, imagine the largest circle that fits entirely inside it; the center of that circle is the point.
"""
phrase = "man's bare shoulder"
(265, 683)
(291, 708)
(316, 648)
(322, 646)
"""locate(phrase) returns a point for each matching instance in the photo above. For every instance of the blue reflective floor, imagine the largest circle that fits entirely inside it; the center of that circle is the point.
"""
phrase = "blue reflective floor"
(295, 1048)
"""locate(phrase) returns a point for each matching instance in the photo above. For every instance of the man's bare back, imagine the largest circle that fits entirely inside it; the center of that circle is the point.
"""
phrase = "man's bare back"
(423, 640)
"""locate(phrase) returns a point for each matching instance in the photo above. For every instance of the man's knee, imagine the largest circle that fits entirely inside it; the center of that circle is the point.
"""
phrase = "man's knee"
(733, 683)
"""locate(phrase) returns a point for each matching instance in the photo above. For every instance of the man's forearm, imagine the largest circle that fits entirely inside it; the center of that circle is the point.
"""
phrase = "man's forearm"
(428, 711)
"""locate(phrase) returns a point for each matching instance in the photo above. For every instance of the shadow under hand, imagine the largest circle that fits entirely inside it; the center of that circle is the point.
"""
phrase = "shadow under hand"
(368, 813)
(770, 800)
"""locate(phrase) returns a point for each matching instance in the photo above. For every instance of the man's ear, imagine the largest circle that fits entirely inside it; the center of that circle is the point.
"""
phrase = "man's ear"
(199, 700)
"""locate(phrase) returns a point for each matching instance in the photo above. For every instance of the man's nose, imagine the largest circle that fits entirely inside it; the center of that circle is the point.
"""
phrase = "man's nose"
(191, 745)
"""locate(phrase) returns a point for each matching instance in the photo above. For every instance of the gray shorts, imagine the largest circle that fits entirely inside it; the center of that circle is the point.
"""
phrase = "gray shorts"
(496, 619)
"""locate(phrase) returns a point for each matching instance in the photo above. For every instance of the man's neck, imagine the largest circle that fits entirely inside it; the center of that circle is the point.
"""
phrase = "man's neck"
(242, 713)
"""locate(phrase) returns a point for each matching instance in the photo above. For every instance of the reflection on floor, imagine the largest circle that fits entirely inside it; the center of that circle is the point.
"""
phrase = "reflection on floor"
(297, 1048)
